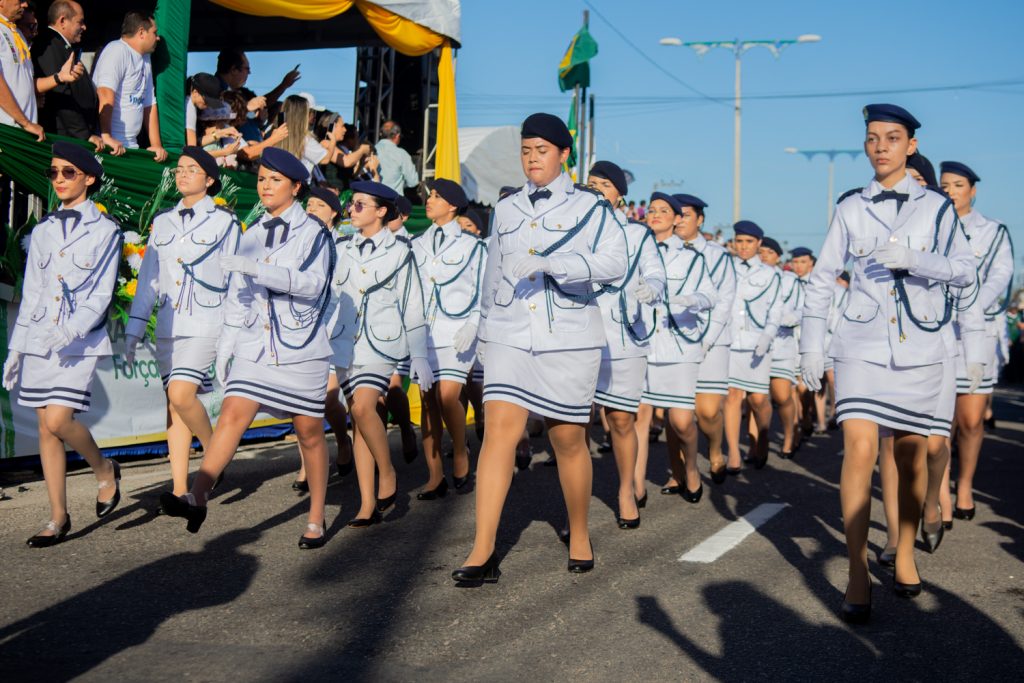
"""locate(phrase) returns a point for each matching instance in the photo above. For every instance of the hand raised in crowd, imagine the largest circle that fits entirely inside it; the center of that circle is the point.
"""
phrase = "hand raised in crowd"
(279, 134)
(256, 103)
(97, 142)
(290, 78)
(159, 153)
(71, 71)
(116, 148)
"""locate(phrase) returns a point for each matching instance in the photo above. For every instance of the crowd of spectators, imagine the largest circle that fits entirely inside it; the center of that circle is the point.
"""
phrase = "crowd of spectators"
(45, 87)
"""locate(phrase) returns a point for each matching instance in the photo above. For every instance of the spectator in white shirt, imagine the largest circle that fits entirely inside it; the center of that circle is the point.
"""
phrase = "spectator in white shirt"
(17, 80)
(124, 84)
(300, 142)
(396, 168)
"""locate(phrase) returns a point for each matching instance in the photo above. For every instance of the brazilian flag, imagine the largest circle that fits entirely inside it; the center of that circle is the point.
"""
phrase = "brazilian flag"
(575, 66)
(573, 130)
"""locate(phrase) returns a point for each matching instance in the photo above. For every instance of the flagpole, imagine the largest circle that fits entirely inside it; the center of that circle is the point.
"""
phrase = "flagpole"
(575, 142)
(581, 128)
(590, 143)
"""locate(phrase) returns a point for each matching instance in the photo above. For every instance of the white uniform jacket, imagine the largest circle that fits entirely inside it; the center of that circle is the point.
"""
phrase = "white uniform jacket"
(625, 326)
(451, 269)
(792, 294)
(723, 274)
(585, 245)
(991, 245)
(181, 272)
(679, 330)
(757, 307)
(70, 275)
(278, 316)
(878, 323)
(379, 316)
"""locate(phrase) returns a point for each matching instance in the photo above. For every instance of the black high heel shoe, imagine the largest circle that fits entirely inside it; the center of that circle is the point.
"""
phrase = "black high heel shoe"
(670, 490)
(363, 522)
(460, 482)
(642, 502)
(887, 557)
(302, 486)
(487, 572)
(582, 566)
(856, 613)
(905, 590)
(524, 456)
(384, 504)
(733, 471)
(966, 514)
(931, 539)
(439, 491)
(313, 542)
(105, 508)
(173, 506)
(947, 525)
(346, 469)
(692, 496)
(718, 476)
(58, 534)
(628, 523)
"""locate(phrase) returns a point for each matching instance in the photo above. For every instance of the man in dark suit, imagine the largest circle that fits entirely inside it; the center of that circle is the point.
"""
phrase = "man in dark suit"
(69, 106)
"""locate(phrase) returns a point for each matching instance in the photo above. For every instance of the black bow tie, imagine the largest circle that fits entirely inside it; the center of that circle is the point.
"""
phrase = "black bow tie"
(689, 245)
(543, 193)
(745, 263)
(186, 212)
(662, 245)
(366, 243)
(438, 239)
(63, 215)
(271, 227)
(900, 197)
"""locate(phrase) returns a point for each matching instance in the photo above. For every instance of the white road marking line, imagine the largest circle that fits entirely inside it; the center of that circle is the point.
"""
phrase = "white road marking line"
(721, 542)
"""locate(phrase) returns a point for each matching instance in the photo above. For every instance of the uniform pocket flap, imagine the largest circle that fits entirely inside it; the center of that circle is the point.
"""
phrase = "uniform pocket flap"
(861, 312)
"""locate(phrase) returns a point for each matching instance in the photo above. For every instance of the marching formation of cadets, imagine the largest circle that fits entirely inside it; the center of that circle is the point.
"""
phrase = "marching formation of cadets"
(565, 308)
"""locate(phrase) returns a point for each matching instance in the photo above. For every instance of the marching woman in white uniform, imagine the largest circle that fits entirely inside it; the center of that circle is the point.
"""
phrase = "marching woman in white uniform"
(552, 243)
(473, 223)
(60, 333)
(274, 338)
(450, 264)
(620, 383)
(756, 315)
(679, 323)
(785, 354)
(993, 252)
(378, 324)
(889, 346)
(181, 274)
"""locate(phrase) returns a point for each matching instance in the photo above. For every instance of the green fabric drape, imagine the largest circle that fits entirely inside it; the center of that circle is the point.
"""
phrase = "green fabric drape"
(135, 175)
(170, 63)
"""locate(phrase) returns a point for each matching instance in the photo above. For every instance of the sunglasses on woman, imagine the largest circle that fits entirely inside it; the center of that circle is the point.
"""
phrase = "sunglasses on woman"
(68, 172)
(359, 205)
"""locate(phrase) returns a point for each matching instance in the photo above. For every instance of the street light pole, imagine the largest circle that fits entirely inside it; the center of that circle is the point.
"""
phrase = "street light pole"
(831, 154)
(738, 47)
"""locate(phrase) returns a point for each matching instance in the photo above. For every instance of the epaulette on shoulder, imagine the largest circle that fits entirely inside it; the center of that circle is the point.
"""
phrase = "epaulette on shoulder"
(342, 239)
(226, 209)
(402, 238)
(161, 212)
(508, 196)
(587, 188)
(937, 190)
(849, 193)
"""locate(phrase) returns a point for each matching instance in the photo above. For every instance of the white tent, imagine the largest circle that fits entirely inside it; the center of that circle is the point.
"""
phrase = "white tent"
(490, 160)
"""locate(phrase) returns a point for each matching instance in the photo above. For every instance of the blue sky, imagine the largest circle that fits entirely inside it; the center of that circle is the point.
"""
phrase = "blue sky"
(508, 63)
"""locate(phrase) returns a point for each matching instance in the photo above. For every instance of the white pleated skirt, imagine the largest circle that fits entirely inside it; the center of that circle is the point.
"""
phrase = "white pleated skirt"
(713, 376)
(671, 385)
(620, 383)
(946, 406)
(449, 365)
(896, 399)
(56, 380)
(555, 384)
(374, 376)
(187, 359)
(281, 390)
(963, 384)
(748, 372)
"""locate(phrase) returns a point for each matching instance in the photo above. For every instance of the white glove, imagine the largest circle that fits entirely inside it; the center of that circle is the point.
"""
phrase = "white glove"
(687, 300)
(239, 264)
(896, 257)
(11, 368)
(531, 264)
(764, 343)
(812, 369)
(464, 338)
(131, 342)
(790, 319)
(975, 373)
(645, 294)
(58, 338)
(420, 369)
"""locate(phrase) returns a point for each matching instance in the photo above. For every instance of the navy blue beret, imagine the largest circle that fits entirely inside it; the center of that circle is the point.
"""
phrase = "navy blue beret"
(920, 163)
(690, 200)
(284, 163)
(611, 172)
(772, 244)
(801, 251)
(748, 228)
(668, 199)
(891, 113)
(327, 197)
(207, 163)
(403, 205)
(80, 157)
(956, 168)
(478, 220)
(547, 127)
(451, 192)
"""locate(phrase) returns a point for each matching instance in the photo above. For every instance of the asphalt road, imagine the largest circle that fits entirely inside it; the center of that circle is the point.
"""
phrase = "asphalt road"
(136, 598)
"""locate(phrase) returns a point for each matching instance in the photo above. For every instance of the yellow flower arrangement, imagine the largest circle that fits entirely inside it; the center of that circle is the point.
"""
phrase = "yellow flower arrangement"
(101, 207)
(131, 286)
(220, 201)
